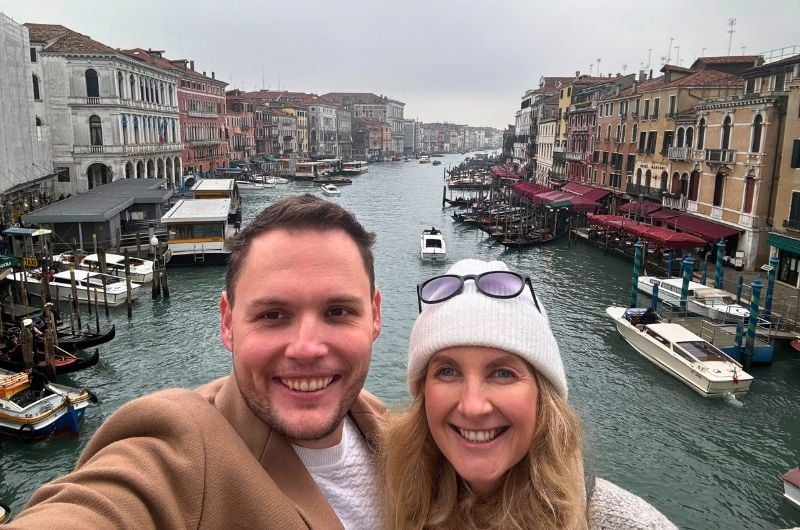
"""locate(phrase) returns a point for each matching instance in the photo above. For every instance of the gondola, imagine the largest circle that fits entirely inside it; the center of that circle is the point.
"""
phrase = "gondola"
(65, 362)
(81, 340)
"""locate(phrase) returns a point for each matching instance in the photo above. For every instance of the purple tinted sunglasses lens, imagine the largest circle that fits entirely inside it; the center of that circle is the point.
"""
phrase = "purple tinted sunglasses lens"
(440, 288)
(501, 284)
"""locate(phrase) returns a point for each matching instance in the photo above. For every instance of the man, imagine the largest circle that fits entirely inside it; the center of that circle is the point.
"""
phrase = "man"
(283, 442)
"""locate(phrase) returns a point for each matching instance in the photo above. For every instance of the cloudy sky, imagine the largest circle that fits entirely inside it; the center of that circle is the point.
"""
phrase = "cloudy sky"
(462, 61)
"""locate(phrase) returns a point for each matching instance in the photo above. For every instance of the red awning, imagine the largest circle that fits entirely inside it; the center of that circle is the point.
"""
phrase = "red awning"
(588, 192)
(642, 208)
(663, 214)
(595, 194)
(708, 230)
(655, 234)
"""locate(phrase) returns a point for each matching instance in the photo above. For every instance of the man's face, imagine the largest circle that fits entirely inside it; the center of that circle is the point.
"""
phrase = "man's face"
(301, 331)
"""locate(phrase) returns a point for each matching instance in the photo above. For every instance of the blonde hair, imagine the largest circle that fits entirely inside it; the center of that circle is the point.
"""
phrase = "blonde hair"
(544, 490)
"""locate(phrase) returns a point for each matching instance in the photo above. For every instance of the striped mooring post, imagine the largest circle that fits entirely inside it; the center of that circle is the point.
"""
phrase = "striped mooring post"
(637, 267)
(686, 273)
(773, 272)
(654, 300)
(739, 287)
(755, 301)
(737, 341)
(704, 273)
(669, 264)
(718, 273)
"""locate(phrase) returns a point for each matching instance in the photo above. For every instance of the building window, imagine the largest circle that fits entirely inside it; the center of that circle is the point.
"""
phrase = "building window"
(634, 133)
(33, 55)
(701, 133)
(39, 125)
(750, 86)
(749, 191)
(679, 141)
(646, 108)
(719, 187)
(63, 174)
(92, 85)
(120, 84)
(95, 131)
(36, 94)
(672, 104)
(779, 81)
(655, 107)
(133, 88)
(756, 145)
(726, 133)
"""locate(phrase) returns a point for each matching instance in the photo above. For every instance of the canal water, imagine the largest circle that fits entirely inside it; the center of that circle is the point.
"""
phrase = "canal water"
(705, 463)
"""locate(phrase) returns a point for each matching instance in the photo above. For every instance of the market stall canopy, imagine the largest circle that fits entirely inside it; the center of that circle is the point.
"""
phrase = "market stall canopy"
(708, 230)
(642, 208)
(662, 237)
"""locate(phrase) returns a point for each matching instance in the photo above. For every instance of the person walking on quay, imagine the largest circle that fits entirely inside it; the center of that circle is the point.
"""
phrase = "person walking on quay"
(489, 439)
(287, 440)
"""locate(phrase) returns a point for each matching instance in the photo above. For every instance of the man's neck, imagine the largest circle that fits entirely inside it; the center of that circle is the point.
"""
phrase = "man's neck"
(331, 440)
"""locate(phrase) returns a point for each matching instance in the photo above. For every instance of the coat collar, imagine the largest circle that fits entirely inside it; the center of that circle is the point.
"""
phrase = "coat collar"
(278, 458)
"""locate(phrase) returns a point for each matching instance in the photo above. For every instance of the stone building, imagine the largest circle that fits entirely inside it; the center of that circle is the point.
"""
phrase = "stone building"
(368, 105)
(111, 116)
(240, 127)
(27, 179)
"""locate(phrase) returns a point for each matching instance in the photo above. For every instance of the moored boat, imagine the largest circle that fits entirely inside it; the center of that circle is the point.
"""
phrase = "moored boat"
(90, 286)
(199, 230)
(686, 356)
(432, 245)
(715, 304)
(32, 408)
(141, 270)
(791, 486)
(330, 190)
(355, 167)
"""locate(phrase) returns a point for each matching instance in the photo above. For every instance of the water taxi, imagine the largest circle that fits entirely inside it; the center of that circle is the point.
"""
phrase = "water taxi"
(198, 231)
(715, 304)
(688, 357)
(90, 287)
(141, 270)
(432, 246)
(424, 159)
(330, 190)
(356, 167)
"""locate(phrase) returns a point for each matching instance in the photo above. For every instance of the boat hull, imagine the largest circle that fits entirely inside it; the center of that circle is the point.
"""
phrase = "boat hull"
(694, 375)
(791, 486)
(669, 291)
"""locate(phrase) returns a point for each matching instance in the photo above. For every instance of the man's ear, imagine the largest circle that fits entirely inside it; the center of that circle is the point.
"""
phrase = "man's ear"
(225, 321)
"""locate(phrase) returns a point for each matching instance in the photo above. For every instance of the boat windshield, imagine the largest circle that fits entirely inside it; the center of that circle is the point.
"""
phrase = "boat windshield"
(703, 350)
(436, 243)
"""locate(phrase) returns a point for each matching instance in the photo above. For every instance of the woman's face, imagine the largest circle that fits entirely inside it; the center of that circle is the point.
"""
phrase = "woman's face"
(481, 406)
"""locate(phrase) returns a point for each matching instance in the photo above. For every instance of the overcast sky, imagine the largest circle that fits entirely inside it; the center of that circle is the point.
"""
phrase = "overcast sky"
(458, 61)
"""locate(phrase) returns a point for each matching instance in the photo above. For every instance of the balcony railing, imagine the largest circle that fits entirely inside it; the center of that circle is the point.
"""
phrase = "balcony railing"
(793, 224)
(644, 191)
(676, 202)
(97, 149)
(202, 114)
(576, 156)
(680, 153)
(720, 156)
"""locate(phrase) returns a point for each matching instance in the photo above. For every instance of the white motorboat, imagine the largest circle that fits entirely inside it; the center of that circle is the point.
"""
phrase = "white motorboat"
(679, 352)
(271, 180)
(30, 413)
(791, 486)
(424, 159)
(249, 185)
(199, 230)
(141, 270)
(89, 286)
(715, 304)
(330, 189)
(432, 246)
(355, 167)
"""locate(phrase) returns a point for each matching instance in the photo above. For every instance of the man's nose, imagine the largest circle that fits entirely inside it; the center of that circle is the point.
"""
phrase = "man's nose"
(308, 341)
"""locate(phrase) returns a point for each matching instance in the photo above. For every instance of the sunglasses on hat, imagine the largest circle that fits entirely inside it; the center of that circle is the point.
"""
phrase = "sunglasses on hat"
(495, 284)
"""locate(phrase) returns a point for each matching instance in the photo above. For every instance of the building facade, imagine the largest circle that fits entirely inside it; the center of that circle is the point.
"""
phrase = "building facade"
(240, 126)
(368, 105)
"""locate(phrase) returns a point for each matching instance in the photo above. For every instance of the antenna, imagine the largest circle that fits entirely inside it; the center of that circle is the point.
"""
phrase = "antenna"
(591, 65)
(678, 55)
(624, 67)
(742, 50)
(702, 52)
(262, 76)
(598, 68)
(669, 49)
(731, 23)
(649, 53)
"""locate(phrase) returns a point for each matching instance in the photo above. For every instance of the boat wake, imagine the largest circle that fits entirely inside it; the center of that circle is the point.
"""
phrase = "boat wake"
(731, 400)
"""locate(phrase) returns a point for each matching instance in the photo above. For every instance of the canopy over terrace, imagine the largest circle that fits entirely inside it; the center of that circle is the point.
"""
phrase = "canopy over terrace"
(657, 235)
(641, 208)
(529, 189)
(708, 230)
(499, 171)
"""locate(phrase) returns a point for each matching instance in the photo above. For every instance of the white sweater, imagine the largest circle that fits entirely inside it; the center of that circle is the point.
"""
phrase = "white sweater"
(612, 507)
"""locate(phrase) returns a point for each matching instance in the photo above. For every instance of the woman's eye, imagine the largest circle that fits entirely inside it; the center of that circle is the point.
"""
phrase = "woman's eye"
(504, 373)
(445, 371)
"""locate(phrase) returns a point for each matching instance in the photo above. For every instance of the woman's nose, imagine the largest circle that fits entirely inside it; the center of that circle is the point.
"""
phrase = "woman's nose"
(474, 400)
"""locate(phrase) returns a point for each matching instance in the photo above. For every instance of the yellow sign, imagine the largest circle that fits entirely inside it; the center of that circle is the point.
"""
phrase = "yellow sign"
(30, 262)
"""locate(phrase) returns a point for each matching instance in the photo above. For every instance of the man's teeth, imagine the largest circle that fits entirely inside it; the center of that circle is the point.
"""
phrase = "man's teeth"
(479, 436)
(307, 385)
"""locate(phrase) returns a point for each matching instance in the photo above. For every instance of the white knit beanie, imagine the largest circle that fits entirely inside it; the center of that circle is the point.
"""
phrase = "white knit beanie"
(471, 318)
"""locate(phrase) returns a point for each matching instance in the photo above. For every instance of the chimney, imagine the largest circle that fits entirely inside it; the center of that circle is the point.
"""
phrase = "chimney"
(641, 76)
(204, 73)
(577, 73)
(191, 65)
(212, 75)
(651, 74)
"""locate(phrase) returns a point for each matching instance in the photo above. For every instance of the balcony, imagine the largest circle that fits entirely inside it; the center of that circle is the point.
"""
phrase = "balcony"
(97, 149)
(676, 202)
(791, 224)
(201, 114)
(579, 128)
(720, 156)
(635, 114)
(154, 148)
(575, 156)
(198, 143)
(637, 190)
(680, 153)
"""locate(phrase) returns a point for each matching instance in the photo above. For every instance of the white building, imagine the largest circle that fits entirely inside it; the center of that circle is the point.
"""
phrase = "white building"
(322, 129)
(110, 116)
(27, 179)
(368, 105)
(545, 140)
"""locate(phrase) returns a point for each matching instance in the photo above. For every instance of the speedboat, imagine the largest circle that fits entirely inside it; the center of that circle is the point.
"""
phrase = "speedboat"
(272, 180)
(249, 185)
(30, 413)
(330, 190)
(424, 159)
(715, 304)
(432, 246)
(141, 270)
(791, 486)
(679, 352)
(90, 286)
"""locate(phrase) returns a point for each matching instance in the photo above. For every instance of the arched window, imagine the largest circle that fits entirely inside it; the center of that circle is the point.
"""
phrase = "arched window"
(648, 176)
(694, 185)
(634, 133)
(120, 84)
(756, 146)
(719, 187)
(749, 192)
(622, 138)
(616, 137)
(689, 136)
(679, 140)
(132, 95)
(726, 135)
(92, 85)
(169, 91)
(608, 133)
(701, 133)
(95, 131)
(36, 94)
(124, 120)
(639, 177)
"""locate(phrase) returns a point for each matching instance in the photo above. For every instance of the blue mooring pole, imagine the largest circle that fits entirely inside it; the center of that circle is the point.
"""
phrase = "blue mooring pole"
(704, 273)
(755, 301)
(654, 300)
(739, 286)
(773, 271)
(686, 271)
(719, 274)
(737, 341)
(637, 267)
(669, 264)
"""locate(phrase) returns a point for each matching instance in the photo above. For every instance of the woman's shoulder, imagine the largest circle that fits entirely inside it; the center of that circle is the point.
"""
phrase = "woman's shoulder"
(614, 507)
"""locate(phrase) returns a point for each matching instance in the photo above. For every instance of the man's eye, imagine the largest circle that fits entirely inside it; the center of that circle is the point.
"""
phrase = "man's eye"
(338, 312)
(272, 315)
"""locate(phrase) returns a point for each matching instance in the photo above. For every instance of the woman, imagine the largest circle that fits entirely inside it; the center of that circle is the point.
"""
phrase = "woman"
(489, 440)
